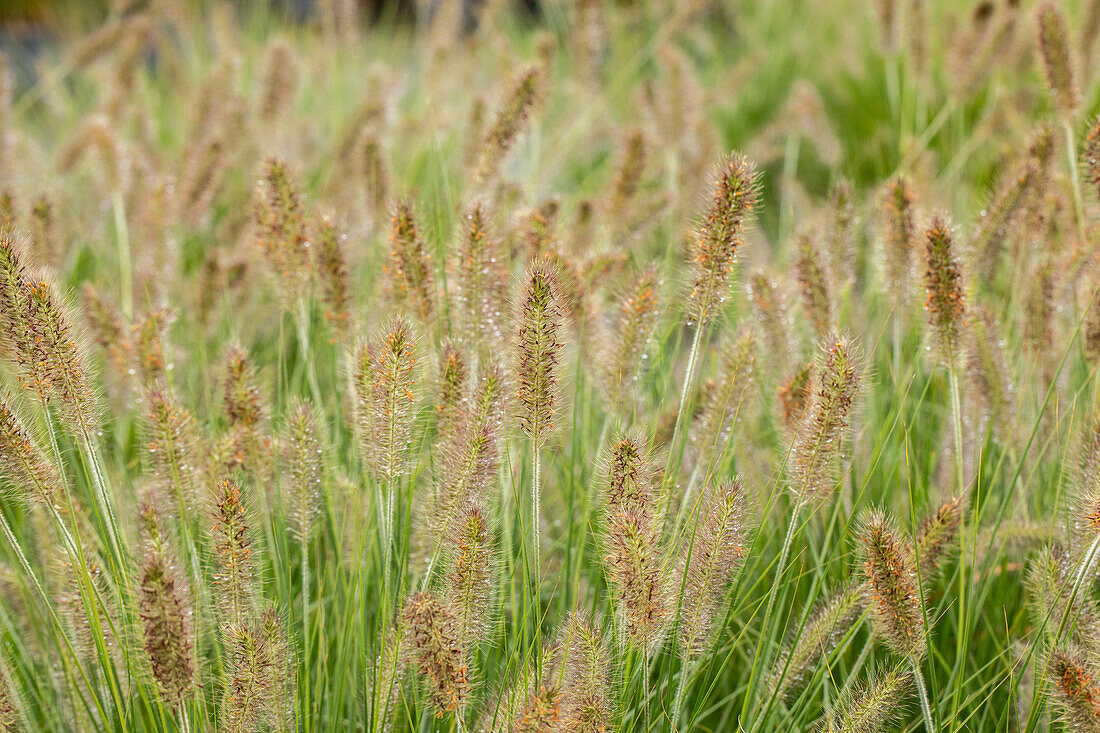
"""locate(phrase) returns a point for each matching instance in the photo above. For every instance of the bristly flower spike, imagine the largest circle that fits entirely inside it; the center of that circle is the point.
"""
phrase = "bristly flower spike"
(1076, 684)
(891, 572)
(410, 267)
(625, 356)
(24, 468)
(304, 456)
(385, 385)
(332, 270)
(946, 303)
(282, 231)
(509, 122)
(720, 236)
(813, 283)
(1054, 48)
(436, 645)
(716, 553)
(166, 618)
(872, 706)
(818, 441)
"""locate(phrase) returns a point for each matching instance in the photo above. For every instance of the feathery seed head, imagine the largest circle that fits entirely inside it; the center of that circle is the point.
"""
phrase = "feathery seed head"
(436, 646)
(539, 351)
(541, 713)
(871, 707)
(888, 565)
(716, 554)
(586, 705)
(468, 579)
(304, 456)
(1076, 689)
(720, 236)
(936, 535)
(281, 234)
(628, 474)
(385, 383)
(453, 373)
(900, 237)
(165, 616)
(480, 284)
(626, 352)
(235, 579)
(24, 468)
(335, 283)
(634, 562)
(172, 442)
(722, 405)
(817, 444)
(814, 286)
(509, 122)
(795, 394)
(279, 83)
(409, 267)
(946, 304)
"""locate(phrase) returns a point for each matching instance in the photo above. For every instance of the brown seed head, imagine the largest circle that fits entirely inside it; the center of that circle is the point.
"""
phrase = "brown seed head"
(409, 267)
(1076, 692)
(281, 231)
(24, 468)
(332, 270)
(385, 383)
(946, 304)
(1054, 48)
(891, 573)
(434, 639)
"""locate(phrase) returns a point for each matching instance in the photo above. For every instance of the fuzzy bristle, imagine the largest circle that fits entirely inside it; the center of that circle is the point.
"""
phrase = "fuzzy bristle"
(723, 406)
(586, 696)
(480, 285)
(509, 122)
(900, 238)
(625, 355)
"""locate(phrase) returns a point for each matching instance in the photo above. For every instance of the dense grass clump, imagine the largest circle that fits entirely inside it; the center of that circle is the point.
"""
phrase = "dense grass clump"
(586, 367)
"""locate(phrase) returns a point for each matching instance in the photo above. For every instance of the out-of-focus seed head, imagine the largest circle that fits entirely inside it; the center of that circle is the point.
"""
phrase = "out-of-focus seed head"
(832, 618)
(451, 391)
(900, 238)
(628, 176)
(795, 395)
(624, 359)
(409, 267)
(481, 284)
(332, 270)
(634, 563)
(1074, 680)
(172, 442)
(247, 414)
(281, 234)
(887, 563)
(1054, 48)
(434, 640)
(303, 453)
(716, 554)
(279, 83)
(767, 304)
(538, 351)
(936, 536)
(813, 284)
(148, 343)
(946, 304)
(713, 428)
(818, 443)
(385, 387)
(468, 580)
(1038, 326)
(1092, 152)
(720, 236)
(509, 123)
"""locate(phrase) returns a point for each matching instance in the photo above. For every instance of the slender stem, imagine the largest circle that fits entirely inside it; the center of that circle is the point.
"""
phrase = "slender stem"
(960, 482)
(125, 268)
(685, 672)
(783, 554)
(306, 633)
(536, 584)
(922, 693)
(689, 377)
(1075, 179)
